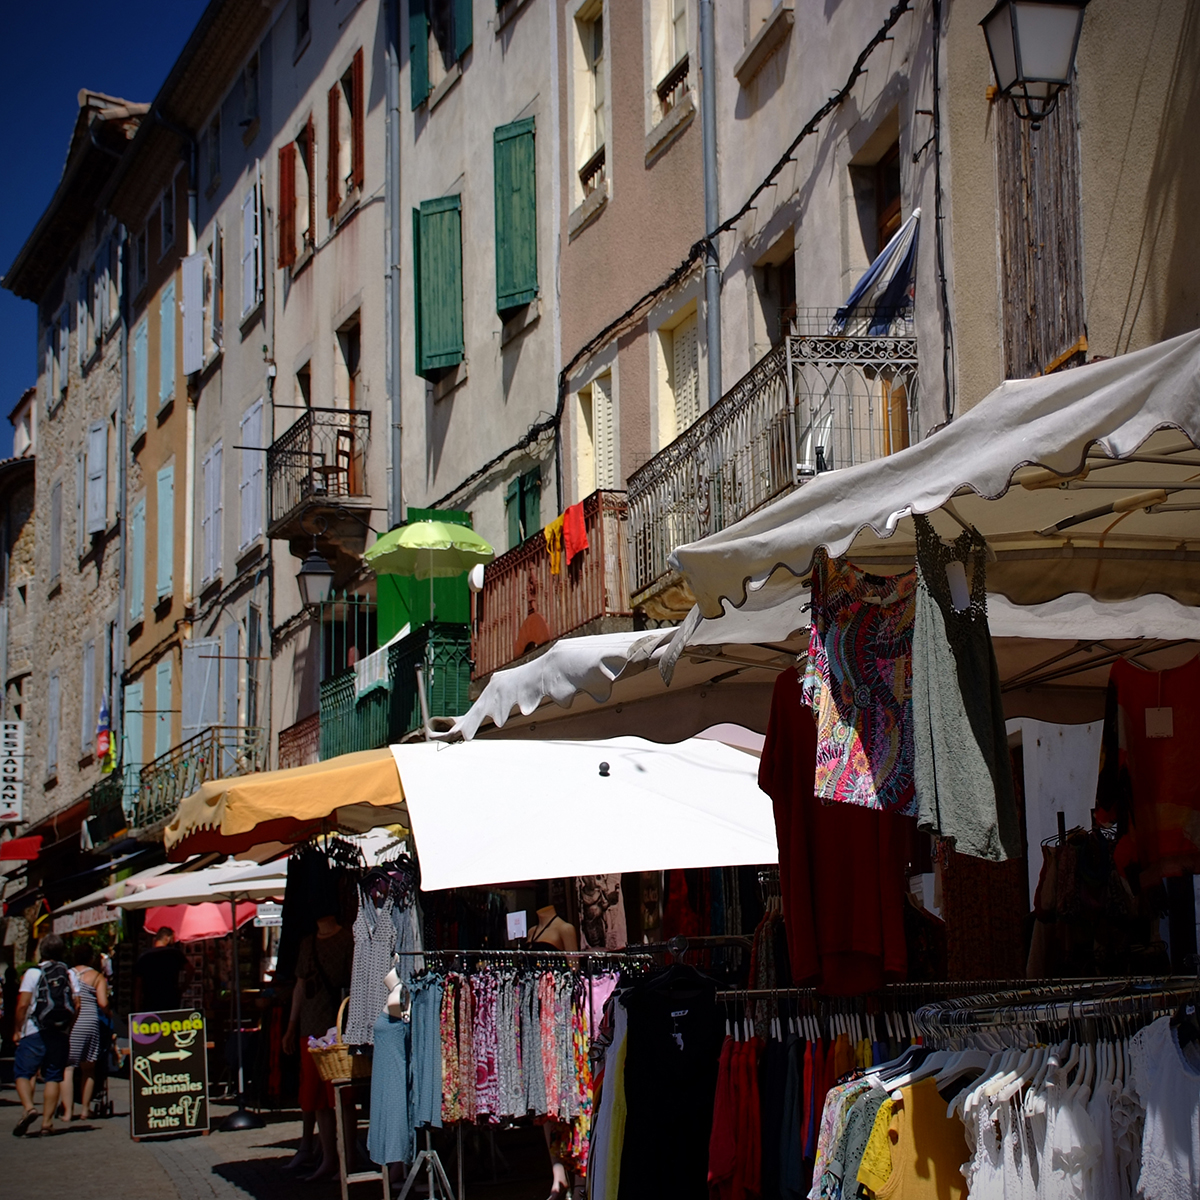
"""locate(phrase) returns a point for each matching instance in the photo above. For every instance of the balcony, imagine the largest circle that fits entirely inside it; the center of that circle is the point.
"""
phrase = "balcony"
(216, 752)
(300, 744)
(815, 403)
(106, 808)
(523, 606)
(388, 713)
(317, 482)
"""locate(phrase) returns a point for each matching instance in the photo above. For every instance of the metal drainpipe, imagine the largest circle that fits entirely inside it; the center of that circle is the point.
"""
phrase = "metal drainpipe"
(116, 718)
(712, 208)
(392, 246)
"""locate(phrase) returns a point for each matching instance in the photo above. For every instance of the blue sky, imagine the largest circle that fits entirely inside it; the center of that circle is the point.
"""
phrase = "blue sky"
(47, 53)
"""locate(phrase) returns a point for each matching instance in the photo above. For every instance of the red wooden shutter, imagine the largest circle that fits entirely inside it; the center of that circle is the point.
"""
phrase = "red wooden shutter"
(287, 204)
(333, 190)
(356, 116)
(310, 140)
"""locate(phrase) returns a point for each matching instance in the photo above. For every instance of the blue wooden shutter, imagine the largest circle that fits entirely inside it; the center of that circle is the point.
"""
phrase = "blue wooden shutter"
(137, 561)
(162, 706)
(132, 721)
(166, 345)
(464, 32)
(418, 51)
(516, 215)
(141, 369)
(439, 283)
(165, 527)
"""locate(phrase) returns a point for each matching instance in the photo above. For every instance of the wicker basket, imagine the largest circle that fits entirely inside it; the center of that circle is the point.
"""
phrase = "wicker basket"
(336, 1062)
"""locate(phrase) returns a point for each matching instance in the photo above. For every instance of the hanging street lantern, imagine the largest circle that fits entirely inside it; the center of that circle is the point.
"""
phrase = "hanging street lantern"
(1032, 44)
(315, 578)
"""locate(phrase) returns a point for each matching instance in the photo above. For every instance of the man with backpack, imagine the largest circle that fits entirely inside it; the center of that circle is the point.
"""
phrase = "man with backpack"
(47, 1005)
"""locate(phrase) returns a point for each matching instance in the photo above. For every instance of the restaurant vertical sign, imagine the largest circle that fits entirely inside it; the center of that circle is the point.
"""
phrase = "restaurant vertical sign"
(12, 772)
(168, 1073)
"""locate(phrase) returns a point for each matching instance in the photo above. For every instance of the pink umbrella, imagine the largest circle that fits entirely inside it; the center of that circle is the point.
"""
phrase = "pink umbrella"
(196, 922)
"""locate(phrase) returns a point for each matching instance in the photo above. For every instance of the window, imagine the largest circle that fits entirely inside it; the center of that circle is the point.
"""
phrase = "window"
(87, 700)
(62, 344)
(96, 516)
(516, 216)
(250, 93)
(252, 266)
(53, 717)
(440, 32)
(591, 121)
(200, 693)
(304, 385)
(437, 280)
(253, 652)
(56, 532)
(250, 489)
(212, 514)
(230, 645)
(132, 722)
(523, 506)
(84, 340)
(303, 27)
(112, 280)
(887, 197)
(212, 143)
(214, 294)
(306, 186)
(596, 443)
(167, 217)
(137, 560)
(165, 531)
(80, 491)
(345, 164)
(100, 295)
(141, 376)
(162, 706)
(1041, 240)
(166, 345)
(140, 262)
(668, 53)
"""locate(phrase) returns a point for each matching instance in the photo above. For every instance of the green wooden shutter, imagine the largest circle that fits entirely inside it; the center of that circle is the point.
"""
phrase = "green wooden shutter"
(165, 529)
(416, 214)
(418, 51)
(512, 512)
(464, 33)
(516, 215)
(531, 501)
(439, 283)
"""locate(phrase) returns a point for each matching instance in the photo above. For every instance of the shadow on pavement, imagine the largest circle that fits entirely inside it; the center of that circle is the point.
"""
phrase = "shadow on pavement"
(263, 1179)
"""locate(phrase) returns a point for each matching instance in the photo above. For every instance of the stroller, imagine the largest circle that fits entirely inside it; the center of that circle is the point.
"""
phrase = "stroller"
(106, 1064)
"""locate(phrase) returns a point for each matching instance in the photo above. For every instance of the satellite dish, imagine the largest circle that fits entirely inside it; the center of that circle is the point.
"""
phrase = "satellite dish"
(475, 578)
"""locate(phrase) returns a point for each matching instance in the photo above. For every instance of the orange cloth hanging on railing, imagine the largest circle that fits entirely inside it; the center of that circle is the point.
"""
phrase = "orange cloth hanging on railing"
(575, 538)
(553, 533)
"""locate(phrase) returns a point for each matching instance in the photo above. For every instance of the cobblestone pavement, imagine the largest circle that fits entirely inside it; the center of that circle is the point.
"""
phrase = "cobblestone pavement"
(97, 1159)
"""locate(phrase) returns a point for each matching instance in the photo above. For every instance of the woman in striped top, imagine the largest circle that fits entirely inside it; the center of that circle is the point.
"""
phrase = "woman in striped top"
(85, 1033)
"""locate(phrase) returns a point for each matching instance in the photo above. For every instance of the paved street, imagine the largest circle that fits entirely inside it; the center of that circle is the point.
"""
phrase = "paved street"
(97, 1159)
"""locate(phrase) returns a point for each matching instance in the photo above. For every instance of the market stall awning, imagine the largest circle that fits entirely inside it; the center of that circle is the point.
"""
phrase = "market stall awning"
(1085, 481)
(353, 791)
(488, 812)
(198, 922)
(225, 882)
(22, 849)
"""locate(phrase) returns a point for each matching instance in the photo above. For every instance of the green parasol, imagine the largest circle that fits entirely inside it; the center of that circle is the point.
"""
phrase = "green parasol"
(429, 550)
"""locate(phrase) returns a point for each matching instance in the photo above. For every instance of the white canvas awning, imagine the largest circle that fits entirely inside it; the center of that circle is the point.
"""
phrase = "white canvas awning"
(1083, 481)
(495, 811)
(217, 884)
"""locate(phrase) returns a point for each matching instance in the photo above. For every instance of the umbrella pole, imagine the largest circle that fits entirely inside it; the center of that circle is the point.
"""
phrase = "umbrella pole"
(242, 1118)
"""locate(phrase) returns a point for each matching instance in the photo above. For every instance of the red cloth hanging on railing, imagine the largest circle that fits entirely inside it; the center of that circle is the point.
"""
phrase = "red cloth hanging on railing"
(575, 538)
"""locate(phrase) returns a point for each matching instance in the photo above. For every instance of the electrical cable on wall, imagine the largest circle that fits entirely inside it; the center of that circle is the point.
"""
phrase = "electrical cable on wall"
(693, 257)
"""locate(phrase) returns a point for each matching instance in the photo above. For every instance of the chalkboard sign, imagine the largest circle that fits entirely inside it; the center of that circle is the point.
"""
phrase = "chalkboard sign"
(168, 1073)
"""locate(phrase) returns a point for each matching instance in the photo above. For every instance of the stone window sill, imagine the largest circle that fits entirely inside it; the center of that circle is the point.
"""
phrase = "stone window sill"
(587, 212)
(443, 89)
(769, 38)
(672, 124)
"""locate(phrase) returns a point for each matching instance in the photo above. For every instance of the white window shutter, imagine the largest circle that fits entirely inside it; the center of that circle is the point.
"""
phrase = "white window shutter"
(218, 510)
(259, 247)
(253, 469)
(141, 376)
(87, 701)
(685, 371)
(162, 706)
(53, 699)
(165, 530)
(249, 250)
(132, 721)
(193, 313)
(604, 427)
(137, 561)
(97, 477)
(201, 674)
(206, 519)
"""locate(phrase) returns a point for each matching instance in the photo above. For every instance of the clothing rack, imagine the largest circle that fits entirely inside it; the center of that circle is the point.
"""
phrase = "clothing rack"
(553, 955)
(905, 989)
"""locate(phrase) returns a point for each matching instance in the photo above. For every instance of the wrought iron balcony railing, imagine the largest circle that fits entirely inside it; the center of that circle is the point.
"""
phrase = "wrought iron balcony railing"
(522, 605)
(814, 403)
(218, 751)
(321, 458)
(106, 807)
(300, 744)
(673, 86)
(386, 714)
(592, 173)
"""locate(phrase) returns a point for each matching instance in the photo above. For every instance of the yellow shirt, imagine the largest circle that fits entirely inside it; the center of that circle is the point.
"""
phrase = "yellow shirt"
(928, 1149)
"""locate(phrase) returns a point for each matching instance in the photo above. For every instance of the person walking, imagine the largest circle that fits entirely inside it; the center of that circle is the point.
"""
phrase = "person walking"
(85, 1033)
(47, 1006)
(156, 977)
